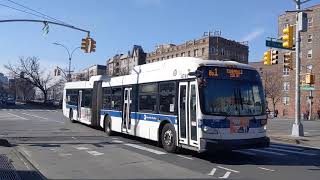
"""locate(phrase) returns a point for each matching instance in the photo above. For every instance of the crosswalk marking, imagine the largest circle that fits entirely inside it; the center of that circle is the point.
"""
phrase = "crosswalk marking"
(286, 147)
(95, 153)
(18, 116)
(267, 152)
(145, 148)
(81, 148)
(290, 151)
(226, 175)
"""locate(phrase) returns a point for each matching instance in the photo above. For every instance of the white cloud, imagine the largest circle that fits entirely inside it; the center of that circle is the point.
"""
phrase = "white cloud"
(253, 35)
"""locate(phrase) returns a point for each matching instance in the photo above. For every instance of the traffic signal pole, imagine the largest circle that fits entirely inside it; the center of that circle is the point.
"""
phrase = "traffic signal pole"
(297, 127)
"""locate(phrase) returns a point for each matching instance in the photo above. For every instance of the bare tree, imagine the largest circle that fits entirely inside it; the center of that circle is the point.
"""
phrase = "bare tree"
(273, 84)
(29, 69)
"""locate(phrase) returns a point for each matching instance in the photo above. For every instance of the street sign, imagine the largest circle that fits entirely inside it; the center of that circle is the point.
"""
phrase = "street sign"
(275, 44)
(308, 88)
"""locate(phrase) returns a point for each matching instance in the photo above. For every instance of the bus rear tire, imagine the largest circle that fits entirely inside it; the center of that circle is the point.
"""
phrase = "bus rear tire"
(107, 126)
(71, 116)
(169, 138)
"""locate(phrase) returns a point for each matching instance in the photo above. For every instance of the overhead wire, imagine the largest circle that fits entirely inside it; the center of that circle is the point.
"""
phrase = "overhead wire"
(47, 17)
(23, 11)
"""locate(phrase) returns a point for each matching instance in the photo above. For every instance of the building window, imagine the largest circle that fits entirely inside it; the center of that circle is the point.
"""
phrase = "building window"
(309, 68)
(285, 100)
(202, 51)
(188, 53)
(309, 38)
(195, 53)
(172, 56)
(177, 55)
(286, 71)
(309, 55)
(168, 57)
(162, 58)
(183, 54)
(286, 86)
(310, 22)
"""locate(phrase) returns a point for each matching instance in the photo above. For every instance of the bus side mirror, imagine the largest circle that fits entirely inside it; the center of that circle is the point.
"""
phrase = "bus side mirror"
(196, 73)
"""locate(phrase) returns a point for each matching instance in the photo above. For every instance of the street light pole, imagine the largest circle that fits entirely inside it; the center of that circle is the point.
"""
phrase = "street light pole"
(70, 58)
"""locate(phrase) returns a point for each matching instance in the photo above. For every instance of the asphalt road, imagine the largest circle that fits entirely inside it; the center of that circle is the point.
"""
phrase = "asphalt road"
(62, 150)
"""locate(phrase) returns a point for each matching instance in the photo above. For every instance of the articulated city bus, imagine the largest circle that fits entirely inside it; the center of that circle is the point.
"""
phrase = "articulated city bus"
(181, 103)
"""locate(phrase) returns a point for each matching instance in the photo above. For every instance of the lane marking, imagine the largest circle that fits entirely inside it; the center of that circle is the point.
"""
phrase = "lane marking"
(117, 141)
(286, 147)
(17, 116)
(47, 120)
(65, 154)
(212, 172)
(228, 169)
(95, 153)
(266, 169)
(145, 149)
(73, 137)
(34, 116)
(114, 138)
(81, 148)
(226, 175)
(185, 157)
(245, 152)
(289, 151)
(270, 152)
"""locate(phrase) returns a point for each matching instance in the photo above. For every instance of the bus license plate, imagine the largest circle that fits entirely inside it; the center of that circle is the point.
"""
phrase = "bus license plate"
(239, 126)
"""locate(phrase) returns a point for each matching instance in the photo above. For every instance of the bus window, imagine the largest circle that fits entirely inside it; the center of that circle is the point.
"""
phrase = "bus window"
(86, 98)
(167, 92)
(116, 99)
(72, 96)
(148, 97)
(106, 98)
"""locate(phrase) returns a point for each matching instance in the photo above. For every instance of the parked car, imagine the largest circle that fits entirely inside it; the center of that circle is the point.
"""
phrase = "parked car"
(10, 101)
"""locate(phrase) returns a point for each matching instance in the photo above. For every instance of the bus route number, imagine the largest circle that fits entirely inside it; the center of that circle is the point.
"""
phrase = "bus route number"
(213, 73)
(234, 73)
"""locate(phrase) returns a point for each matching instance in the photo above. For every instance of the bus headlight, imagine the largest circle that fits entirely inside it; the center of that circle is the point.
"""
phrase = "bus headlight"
(263, 122)
(210, 130)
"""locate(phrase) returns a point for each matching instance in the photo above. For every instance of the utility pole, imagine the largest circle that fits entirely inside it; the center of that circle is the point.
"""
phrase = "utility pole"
(297, 127)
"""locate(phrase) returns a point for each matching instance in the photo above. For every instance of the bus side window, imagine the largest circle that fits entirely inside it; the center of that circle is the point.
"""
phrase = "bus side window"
(106, 98)
(116, 98)
(167, 91)
(148, 97)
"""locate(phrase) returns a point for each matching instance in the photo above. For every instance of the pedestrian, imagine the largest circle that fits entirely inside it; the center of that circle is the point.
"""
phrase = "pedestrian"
(276, 113)
(318, 112)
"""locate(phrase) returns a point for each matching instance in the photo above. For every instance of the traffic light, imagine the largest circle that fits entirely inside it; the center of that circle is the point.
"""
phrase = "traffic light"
(287, 37)
(92, 45)
(267, 58)
(288, 60)
(85, 45)
(274, 57)
(309, 79)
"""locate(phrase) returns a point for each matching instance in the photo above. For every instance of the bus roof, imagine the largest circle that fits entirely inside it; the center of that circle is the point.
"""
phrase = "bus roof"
(171, 69)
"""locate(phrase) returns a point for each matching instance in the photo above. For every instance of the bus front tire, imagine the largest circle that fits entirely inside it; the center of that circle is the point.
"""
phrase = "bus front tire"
(107, 126)
(71, 116)
(169, 138)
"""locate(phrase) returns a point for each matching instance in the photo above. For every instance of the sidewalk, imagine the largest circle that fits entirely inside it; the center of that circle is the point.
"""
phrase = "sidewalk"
(13, 165)
(279, 130)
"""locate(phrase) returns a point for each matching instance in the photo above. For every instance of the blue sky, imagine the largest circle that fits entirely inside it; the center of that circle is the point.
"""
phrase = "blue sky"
(117, 25)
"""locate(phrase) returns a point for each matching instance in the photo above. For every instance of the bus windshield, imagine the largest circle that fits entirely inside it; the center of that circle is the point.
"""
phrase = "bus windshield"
(233, 97)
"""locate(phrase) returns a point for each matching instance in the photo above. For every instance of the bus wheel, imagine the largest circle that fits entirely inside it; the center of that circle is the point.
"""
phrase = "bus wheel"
(168, 138)
(107, 126)
(71, 116)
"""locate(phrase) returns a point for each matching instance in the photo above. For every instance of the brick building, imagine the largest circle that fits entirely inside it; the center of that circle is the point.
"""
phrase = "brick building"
(208, 47)
(310, 59)
(85, 74)
(122, 64)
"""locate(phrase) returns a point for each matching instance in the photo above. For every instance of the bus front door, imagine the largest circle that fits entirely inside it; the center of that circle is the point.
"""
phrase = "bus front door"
(79, 104)
(187, 113)
(126, 110)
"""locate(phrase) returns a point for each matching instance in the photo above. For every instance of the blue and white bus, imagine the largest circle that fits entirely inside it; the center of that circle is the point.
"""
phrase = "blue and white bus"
(181, 103)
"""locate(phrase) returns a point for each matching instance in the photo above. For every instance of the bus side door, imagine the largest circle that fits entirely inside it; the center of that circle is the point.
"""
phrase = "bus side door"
(187, 108)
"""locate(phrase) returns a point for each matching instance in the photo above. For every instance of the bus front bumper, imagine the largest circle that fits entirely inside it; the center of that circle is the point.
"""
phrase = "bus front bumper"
(217, 145)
